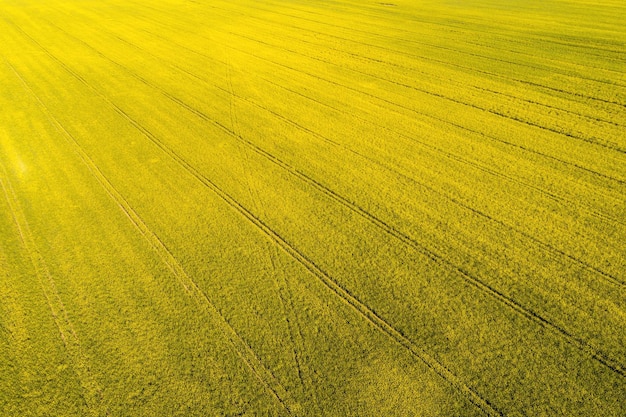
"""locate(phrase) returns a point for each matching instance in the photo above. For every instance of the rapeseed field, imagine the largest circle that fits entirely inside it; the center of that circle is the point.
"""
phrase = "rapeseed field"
(312, 208)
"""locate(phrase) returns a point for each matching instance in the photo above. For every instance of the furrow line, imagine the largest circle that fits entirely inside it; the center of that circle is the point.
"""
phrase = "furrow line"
(582, 345)
(361, 7)
(538, 242)
(548, 106)
(288, 311)
(614, 84)
(556, 61)
(332, 284)
(472, 69)
(326, 279)
(282, 289)
(457, 29)
(440, 120)
(602, 357)
(456, 125)
(451, 81)
(613, 280)
(304, 371)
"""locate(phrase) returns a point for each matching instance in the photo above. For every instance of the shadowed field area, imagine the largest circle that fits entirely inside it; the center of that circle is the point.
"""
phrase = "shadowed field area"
(312, 208)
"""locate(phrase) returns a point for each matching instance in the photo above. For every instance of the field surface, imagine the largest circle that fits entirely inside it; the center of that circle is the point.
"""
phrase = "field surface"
(312, 208)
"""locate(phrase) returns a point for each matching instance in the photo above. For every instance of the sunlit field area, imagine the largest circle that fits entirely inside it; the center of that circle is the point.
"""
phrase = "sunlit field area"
(312, 208)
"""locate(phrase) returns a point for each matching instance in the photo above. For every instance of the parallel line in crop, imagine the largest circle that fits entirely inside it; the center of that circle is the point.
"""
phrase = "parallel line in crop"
(284, 294)
(326, 279)
(333, 285)
(610, 278)
(449, 80)
(241, 347)
(442, 17)
(558, 62)
(446, 80)
(462, 39)
(548, 106)
(594, 352)
(584, 264)
(308, 387)
(91, 392)
(580, 344)
(452, 64)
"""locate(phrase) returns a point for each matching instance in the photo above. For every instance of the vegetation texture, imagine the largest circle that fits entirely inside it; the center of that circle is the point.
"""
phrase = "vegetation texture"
(302, 207)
